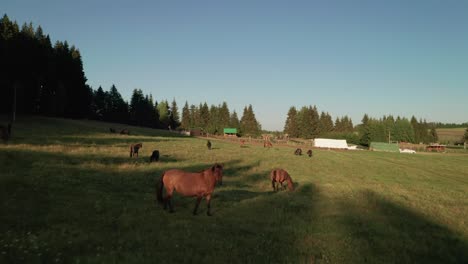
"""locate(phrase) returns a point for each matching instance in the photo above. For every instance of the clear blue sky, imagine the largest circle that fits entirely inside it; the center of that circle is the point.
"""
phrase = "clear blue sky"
(346, 57)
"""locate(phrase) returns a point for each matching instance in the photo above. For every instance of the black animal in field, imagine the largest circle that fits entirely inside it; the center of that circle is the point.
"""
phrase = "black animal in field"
(154, 156)
(111, 130)
(309, 152)
(208, 144)
(298, 152)
(125, 132)
(134, 149)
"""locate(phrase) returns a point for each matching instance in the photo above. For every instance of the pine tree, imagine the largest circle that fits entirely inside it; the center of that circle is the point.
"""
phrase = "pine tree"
(326, 123)
(364, 131)
(234, 121)
(248, 123)
(204, 116)
(185, 122)
(163, 110)
(291, 127)
(174, 119)
(213, 122)
(224, 116)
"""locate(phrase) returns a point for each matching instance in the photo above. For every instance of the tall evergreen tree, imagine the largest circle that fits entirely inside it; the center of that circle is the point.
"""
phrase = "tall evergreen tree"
(234, 121)
(291, 127)
(364, 131)
(174, 119)
(164, 115)
(248, 123)
(185, 122)
(204, 116)
(224, 116)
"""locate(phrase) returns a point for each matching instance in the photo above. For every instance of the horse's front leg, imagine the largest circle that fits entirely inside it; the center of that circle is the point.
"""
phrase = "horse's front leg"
(208, 201)
(199, 198)
(168, 201)
(273, 185)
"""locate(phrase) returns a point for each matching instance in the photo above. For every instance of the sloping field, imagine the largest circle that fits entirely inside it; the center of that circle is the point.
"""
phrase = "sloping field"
(69, 192)
(450, 135)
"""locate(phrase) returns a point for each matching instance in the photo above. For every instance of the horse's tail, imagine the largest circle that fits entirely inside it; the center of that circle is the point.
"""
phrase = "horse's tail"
(159, 189)
(131, 151)
(290, 182)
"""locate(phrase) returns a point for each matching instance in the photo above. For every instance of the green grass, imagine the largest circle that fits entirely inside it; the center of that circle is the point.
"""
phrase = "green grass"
(70, 193)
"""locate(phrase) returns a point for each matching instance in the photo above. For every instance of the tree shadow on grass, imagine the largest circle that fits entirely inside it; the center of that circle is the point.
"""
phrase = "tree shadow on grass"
(392, 233)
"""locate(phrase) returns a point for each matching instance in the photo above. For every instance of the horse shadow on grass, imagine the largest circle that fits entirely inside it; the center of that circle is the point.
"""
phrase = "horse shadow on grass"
(393, 233)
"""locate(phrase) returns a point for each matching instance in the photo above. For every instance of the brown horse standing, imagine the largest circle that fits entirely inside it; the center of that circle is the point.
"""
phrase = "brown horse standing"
(267, 144)
(134, 149)
(280, 175)
(199, 184)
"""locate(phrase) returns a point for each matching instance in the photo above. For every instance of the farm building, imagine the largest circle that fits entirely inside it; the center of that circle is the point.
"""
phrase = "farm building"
(330, 143)
(382, 146)
(230, 131)
(436, 147)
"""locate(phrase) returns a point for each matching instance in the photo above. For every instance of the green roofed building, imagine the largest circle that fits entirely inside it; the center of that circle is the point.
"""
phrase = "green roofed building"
(230, 131)
(382, 146)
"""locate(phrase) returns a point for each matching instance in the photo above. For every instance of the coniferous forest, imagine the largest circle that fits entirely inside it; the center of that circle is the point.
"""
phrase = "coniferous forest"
(41, 78)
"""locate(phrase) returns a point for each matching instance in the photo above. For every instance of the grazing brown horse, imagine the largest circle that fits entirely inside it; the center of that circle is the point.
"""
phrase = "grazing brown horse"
(267, 144)
(199, 184)
(298, 152)
(280, 175)
(309, 152)
(134, 149)
(125, 132)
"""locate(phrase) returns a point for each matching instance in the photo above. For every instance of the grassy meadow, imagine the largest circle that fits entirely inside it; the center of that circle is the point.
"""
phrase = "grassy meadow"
(69, 193)
(450, 135)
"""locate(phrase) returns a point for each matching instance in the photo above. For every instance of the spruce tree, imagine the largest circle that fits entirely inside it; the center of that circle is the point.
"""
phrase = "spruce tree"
(234, 121)
(364, 131)
(185, 122)
(174, 119)
(163, 110)
(291, 127)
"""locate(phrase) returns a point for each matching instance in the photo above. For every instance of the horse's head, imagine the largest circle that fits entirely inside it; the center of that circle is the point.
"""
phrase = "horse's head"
(217, 171)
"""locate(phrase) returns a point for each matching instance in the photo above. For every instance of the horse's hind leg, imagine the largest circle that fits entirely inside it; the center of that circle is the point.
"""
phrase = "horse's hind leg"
(208, 204)
(273, 185)
(168, 201)
(196, 205)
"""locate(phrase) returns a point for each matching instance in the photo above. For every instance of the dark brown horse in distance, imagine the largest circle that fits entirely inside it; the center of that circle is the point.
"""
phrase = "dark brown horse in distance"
(134, 149)
(280, 175)
(298, 152)
(125, 132)
(154, 156)
(198, 184)
(309, 152)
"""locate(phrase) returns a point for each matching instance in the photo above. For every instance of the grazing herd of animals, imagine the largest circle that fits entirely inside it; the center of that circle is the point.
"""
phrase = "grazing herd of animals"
(201, 184)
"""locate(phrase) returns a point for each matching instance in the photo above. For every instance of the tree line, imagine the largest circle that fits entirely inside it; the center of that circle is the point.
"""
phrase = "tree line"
(308, 123)
(389, 129)
(37, 77)
(143, 110)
